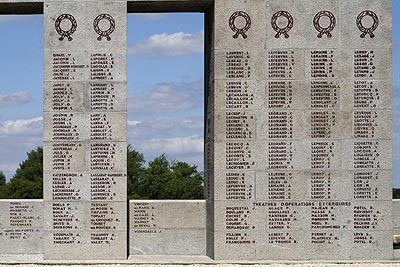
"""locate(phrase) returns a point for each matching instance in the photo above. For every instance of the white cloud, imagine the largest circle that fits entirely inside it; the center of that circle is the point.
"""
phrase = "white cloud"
(22, 127)
(175, 145)
(150, 16)
(133, 123)
(153, 127)
(17, 137)
(162, 123)
(15, 99)
(167, 97)
(175, 44)
(195, 124)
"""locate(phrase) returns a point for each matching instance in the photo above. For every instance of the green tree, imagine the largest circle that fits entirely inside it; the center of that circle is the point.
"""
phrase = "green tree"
(176, 180)
(27, 182)
(157, 175)
(2, 179)
(136, 171)
(3, 185)
(396, 193)
(186, 182)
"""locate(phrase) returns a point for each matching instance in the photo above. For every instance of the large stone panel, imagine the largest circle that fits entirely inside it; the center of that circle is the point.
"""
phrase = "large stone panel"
(301, 100)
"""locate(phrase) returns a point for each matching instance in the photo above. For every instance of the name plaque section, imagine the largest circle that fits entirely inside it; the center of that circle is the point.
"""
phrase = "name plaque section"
(167, 227)
(21, 227)
(85, 180)
(299, 120)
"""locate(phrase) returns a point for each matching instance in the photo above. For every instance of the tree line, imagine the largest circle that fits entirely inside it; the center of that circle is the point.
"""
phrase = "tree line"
(160, 179)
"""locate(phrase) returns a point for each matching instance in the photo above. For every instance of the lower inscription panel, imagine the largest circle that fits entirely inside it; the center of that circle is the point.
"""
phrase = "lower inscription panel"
(314, 230)
(21, 227)
(167, 227)
(98, 244)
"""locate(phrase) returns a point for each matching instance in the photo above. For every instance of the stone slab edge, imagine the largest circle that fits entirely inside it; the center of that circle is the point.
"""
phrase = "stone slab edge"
(6, 260)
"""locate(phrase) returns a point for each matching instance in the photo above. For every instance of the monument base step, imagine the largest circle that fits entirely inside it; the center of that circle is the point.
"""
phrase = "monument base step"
(179, 260)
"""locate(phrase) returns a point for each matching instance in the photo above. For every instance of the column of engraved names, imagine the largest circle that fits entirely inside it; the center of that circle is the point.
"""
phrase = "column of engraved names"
(107, 142)
(283, 222)
(239, 118)
(370, 133)
(280, 122)
(367, 92)
(64, 147)
(24, 218)
(325, 143)
(72, 214)
(67, 70)
(280, 134)
(324, 119)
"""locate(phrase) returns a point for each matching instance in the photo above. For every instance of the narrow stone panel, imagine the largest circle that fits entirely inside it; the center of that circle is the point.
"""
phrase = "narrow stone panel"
(85, 130)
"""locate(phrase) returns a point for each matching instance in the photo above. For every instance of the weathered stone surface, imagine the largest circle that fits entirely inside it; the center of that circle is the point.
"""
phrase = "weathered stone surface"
(234, 185)
(170, 213)
(254, 36)
(106, 96)
(21, 213)
(369, 94)
(74, 186)
(84, 14)
(64, 96)
(167, 242)
(81, 66)
(77, 245)
(106, 156)
(167, 227)
(382, 35)
(21, 241)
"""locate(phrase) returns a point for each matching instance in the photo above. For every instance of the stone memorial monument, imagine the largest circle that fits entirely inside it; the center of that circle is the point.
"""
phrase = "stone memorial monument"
(298, 142)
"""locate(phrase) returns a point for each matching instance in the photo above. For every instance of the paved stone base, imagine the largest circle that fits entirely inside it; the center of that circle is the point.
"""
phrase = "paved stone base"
(179, 260)
(303, 264)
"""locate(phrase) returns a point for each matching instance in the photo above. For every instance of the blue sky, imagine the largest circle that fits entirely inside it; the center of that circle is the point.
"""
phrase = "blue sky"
(396, 93)
(165, 87)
